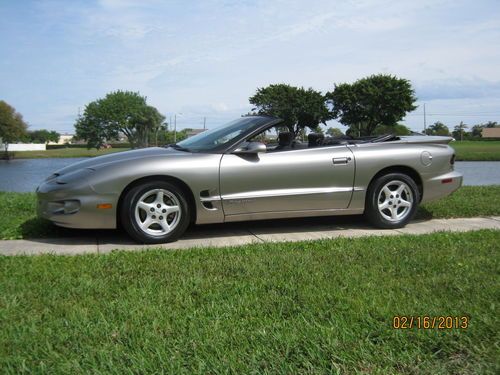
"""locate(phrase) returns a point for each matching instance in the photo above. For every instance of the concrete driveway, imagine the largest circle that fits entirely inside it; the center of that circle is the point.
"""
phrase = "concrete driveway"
(233, 234)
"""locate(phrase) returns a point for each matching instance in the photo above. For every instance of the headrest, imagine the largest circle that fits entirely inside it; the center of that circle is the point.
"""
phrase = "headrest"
(285, 138)
(315, 138)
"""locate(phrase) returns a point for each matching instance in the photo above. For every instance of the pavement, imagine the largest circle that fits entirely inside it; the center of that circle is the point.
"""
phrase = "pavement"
(234, 234)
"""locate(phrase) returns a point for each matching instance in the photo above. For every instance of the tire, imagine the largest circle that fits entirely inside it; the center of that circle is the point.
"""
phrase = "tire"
(155, 212)
(392, 201)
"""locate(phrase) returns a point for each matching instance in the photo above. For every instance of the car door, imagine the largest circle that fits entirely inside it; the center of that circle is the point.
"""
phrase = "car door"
(294, 180)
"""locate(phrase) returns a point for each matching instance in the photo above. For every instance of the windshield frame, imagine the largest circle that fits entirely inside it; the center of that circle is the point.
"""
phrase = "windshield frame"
(233, 143)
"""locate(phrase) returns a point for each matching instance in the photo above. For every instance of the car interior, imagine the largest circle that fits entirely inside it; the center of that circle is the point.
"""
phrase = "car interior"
(276, 139)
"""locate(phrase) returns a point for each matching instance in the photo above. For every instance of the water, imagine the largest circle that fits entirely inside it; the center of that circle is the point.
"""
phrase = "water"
(478, 173)
(26, 174)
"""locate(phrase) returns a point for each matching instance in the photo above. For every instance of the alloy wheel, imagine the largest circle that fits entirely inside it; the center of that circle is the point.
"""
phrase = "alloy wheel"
(395, 201)
(157, 212)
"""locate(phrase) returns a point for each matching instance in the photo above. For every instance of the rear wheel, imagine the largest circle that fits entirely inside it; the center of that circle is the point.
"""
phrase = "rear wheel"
(155, 212)
(392, 201)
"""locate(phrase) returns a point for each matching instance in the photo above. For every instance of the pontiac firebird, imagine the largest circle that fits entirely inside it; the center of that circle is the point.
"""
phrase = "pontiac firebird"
(250, 169)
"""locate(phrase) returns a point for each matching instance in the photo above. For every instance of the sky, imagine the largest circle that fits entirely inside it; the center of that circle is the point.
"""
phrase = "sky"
(205, 58)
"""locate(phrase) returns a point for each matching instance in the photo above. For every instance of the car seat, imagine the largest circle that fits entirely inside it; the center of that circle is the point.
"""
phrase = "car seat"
(315, 139)
(284, 141)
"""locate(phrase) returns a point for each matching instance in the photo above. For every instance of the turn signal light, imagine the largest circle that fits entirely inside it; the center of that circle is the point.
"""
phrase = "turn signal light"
(105, 206)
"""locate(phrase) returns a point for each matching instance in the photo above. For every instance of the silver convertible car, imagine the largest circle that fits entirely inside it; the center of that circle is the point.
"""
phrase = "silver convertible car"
(250, 169)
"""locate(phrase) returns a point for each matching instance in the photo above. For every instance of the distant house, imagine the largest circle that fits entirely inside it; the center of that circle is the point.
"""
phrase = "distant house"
(63, 139)
(490, 133)
(192, 132)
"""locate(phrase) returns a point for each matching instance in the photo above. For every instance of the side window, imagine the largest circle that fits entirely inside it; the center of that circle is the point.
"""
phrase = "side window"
(269, 137)
(279, 138)
(276, 138)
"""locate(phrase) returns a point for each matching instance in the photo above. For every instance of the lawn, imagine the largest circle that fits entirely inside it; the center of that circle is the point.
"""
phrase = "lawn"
(65, 153)
(477, 150)
(321, 307)
(18, 219)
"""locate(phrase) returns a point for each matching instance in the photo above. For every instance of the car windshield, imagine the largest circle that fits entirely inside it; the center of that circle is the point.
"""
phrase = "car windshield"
(223, 135)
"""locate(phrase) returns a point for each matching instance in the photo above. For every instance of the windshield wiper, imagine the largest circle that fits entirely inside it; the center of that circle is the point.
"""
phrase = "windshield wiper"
(177, 147)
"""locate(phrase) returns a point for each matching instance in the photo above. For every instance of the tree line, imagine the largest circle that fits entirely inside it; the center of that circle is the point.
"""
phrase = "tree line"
(364, 107)
(13, 128)
(460, 131)
(368, 106)
(372, 105)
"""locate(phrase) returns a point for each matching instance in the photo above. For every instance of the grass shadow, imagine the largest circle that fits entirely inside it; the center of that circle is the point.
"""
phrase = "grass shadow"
(423, 214)
(41, 228)
(38, 228)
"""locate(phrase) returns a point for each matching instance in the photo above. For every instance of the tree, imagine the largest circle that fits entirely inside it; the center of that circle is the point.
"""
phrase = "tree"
(476, 131)
(370, 102)
(398, 129)
(12, 125)
(43, 136)
(334, 132)
(119, 111)
(166, 137)
(318, 130)
(458, 131)
(298, 107)
(438, 128)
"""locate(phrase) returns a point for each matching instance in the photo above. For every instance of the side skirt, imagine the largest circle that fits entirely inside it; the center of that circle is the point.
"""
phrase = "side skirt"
(291, 214)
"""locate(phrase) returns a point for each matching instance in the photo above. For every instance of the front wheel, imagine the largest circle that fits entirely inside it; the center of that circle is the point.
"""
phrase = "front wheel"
(392, 201)
(155, 212)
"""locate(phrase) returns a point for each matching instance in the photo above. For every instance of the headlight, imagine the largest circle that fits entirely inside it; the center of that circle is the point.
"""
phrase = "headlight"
(78, 175)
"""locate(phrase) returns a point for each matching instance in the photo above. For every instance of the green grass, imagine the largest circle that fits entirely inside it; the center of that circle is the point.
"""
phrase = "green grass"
(477, 150)
(321, 307)
(65, 153)
(18, 219)
(468, 201)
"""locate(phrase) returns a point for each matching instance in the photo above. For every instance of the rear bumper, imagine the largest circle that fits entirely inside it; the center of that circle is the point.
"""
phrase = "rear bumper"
(441, 186)
(75, 208)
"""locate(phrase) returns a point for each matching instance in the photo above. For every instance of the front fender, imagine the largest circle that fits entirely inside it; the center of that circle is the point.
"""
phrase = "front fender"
(200, 172)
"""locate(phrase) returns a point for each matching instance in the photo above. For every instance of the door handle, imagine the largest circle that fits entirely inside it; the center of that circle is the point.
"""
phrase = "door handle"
(344, 160)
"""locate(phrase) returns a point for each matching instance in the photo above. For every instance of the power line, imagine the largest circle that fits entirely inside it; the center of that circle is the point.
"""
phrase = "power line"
(455, 114)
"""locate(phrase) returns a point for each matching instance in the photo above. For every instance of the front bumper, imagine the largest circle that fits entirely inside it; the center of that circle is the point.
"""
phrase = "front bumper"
(75, 206)
(441, 186)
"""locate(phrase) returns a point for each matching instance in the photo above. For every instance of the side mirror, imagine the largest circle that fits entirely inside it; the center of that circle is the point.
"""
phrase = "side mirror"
(251, 148)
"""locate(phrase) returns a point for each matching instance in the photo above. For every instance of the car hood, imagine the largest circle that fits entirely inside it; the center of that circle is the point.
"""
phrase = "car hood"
(120, 157)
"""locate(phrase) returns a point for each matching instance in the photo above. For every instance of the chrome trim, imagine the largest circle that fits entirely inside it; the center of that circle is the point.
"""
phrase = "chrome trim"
(210, 199)
(284, 192)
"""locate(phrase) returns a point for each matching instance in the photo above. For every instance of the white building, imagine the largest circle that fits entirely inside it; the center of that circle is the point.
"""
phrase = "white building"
(63, 139)
(24, 147)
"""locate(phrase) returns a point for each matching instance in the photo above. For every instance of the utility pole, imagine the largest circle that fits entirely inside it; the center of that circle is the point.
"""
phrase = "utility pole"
(204, 123)
(175, 128)
(425, 121)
